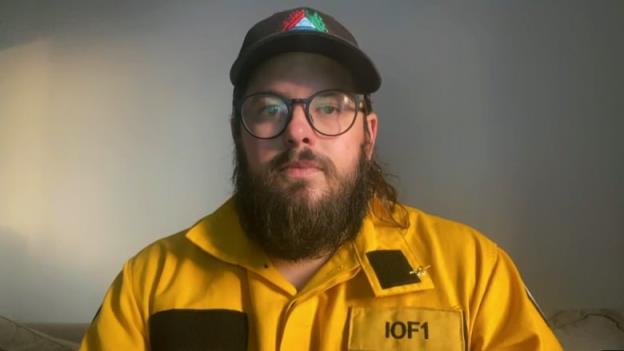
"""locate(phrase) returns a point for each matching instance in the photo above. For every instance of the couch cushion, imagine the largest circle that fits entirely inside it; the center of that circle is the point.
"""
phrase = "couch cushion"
(17, 337)
(65, 331)
(582, 330)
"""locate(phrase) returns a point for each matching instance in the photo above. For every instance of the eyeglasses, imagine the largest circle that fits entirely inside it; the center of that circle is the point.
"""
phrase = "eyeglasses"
(329, 112)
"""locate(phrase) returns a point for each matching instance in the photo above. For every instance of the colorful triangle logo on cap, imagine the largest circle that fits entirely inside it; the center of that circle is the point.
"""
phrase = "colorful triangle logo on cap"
(304, 20)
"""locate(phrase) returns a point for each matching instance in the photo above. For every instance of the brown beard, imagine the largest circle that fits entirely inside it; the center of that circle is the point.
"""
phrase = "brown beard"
(291, 227)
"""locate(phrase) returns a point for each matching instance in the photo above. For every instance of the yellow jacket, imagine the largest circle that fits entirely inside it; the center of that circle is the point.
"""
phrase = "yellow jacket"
(437, 285)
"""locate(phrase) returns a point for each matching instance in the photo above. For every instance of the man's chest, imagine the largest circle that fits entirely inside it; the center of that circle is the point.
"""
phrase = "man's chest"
(245, 312)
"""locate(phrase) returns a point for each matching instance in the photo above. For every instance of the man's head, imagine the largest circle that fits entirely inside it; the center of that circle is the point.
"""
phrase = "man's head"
(299, 75)
(304, 135)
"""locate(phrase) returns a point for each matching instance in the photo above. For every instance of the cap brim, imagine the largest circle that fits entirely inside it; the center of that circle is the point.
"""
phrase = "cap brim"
(365, 75)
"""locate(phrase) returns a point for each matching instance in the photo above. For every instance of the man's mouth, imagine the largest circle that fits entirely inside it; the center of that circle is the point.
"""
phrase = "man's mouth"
(302, 168)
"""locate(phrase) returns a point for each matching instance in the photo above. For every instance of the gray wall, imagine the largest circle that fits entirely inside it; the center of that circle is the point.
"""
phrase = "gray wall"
(113, 133)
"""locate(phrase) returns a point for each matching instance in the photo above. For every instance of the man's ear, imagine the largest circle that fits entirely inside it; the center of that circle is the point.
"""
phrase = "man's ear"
(371, 129)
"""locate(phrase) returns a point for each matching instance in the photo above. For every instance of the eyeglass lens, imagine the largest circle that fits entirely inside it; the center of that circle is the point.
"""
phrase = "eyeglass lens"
(267, 115)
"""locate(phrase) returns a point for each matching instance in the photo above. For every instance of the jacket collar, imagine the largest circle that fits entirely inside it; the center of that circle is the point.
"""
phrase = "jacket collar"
(379, 236)
(221, 235)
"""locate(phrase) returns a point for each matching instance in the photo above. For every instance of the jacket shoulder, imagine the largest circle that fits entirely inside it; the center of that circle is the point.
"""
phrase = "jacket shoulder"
(440, 238)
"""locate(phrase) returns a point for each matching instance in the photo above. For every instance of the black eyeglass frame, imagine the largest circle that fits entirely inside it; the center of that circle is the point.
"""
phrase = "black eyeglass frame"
(359, 100)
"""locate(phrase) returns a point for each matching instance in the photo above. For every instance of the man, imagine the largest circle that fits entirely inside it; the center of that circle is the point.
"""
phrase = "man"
(313, 252)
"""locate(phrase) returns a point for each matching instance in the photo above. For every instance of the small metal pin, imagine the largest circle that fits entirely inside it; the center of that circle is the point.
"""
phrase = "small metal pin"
(420, 271)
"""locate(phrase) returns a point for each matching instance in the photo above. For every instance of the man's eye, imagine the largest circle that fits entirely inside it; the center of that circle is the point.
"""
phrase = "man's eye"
(327, 109)
(270, 110)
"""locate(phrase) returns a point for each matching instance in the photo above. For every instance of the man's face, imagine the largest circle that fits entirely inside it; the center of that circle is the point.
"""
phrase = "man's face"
(299, 75)
(302, 194)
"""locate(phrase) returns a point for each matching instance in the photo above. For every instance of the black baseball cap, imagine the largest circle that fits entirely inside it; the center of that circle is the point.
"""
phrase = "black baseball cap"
(306, 30)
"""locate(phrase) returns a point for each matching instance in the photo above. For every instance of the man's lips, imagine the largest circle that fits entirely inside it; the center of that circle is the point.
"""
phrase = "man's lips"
(301, 168)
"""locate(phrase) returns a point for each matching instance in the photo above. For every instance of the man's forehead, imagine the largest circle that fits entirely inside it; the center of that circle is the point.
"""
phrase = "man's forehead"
(300, 69)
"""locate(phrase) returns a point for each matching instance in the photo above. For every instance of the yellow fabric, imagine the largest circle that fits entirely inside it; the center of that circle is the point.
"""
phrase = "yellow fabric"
(465, 279)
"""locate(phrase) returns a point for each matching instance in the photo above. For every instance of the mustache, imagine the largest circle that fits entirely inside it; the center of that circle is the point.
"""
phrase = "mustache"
(293, 155)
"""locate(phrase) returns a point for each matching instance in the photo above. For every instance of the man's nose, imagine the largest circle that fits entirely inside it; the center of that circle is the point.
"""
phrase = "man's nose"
(299, 130)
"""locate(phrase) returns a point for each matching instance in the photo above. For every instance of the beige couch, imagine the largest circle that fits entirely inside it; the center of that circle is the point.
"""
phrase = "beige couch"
(40, 336)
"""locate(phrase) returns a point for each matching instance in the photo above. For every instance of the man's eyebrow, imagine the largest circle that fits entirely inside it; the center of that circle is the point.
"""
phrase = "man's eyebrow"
(273, 92)
(269, 91)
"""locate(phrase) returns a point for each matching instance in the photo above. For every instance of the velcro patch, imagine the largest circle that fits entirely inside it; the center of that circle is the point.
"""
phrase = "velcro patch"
(406, 328)
(187, 329)
(391, 268)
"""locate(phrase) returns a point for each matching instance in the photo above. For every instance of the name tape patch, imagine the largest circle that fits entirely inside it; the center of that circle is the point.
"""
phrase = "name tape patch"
(406, 328)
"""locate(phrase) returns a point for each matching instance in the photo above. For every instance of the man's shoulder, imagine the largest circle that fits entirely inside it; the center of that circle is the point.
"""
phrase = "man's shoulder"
(191, 240)
(169, 246)
(431, 234)
(213, 241)
(433, 224)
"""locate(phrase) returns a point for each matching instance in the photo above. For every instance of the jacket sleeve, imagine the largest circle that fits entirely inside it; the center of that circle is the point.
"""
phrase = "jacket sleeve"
(119, 324)
(506, 317)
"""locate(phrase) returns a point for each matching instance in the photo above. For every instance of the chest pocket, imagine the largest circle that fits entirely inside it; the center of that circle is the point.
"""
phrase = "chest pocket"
(406, 328)
(198, 330)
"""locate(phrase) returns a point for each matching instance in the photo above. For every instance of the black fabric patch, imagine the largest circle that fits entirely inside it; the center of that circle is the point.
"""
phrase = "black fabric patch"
(198, 330)
(391, 268)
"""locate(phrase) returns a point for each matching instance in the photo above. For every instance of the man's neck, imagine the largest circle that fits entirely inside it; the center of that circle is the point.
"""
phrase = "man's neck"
(298, 273)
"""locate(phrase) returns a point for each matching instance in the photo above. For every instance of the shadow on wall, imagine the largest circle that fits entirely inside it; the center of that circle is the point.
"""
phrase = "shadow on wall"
(16, 269)
(34, 284)
(22, 22)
